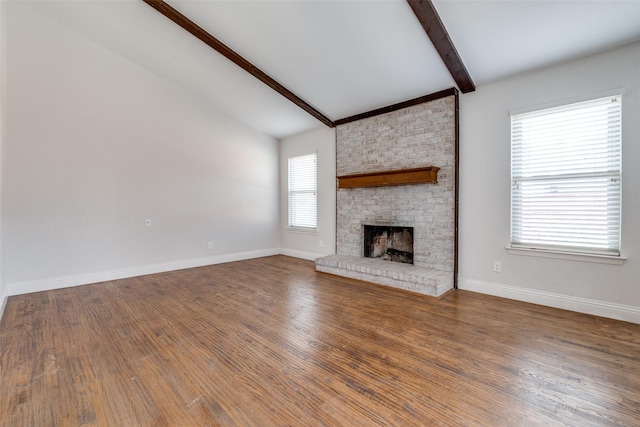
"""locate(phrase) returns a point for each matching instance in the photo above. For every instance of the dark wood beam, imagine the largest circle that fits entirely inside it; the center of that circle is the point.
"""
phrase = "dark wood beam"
(432, 24)
(234, 57)
(398, 106)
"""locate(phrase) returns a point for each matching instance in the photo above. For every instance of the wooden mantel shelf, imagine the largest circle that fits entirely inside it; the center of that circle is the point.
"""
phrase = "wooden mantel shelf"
(397, 177)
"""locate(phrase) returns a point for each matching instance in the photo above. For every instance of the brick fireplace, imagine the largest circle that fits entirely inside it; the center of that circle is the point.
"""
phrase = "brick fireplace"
(415, 137)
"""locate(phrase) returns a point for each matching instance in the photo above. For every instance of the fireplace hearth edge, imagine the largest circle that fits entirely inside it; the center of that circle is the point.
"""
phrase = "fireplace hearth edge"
(422, 280)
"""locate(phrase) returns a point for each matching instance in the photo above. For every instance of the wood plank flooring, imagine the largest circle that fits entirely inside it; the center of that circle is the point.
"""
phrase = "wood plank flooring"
(270, 342)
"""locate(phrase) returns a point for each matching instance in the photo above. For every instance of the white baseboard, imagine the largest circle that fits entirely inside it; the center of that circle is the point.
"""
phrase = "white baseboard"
(300, 254)
(85, 279)
(582, 305)
(3, 303)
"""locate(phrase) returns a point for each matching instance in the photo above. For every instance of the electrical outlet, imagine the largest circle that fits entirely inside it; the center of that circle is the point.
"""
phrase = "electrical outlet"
(321, 244)
(497, 266)
(209, 245)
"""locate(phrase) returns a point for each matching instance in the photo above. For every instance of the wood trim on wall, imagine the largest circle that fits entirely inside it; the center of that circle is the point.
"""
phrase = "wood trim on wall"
(456, 189)
(398, 106)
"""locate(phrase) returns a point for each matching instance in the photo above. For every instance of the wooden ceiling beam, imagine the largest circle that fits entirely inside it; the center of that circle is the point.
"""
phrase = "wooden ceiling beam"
(432, 24)
(234, 57)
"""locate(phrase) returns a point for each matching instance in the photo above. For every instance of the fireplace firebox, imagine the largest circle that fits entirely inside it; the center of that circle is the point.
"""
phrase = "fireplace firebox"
(389, 243)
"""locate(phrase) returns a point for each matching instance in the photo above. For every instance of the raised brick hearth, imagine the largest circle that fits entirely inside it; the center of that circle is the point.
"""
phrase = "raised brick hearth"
(422, 280)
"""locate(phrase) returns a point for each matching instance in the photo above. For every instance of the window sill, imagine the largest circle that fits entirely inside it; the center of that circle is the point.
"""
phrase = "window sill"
(302, 230)
(571, 256)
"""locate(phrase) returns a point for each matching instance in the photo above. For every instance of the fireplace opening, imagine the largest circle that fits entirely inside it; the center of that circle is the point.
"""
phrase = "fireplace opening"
(389, 243)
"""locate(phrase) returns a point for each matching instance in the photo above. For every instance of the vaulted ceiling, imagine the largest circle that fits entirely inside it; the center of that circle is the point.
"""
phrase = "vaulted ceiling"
(342, 57)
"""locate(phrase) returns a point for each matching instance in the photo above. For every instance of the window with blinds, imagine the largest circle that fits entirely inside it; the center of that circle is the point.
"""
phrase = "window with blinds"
(303, 191)
(565, 177)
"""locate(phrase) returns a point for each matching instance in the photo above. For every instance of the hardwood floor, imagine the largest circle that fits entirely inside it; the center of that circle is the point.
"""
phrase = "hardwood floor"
(270, 342)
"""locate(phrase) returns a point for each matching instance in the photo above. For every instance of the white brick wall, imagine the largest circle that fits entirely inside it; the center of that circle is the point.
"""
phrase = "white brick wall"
(418, 136)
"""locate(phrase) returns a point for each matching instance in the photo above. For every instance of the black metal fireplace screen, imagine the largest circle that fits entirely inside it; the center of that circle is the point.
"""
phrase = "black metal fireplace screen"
(389, 243)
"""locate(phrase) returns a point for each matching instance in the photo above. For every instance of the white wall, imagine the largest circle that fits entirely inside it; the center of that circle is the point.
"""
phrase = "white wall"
(608, 290)
(95, 145)
(301, 244)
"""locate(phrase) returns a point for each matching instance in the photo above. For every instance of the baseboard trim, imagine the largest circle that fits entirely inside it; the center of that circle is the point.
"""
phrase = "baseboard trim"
(610, 310)
(86, 279)
(3, 303)
(300, 254)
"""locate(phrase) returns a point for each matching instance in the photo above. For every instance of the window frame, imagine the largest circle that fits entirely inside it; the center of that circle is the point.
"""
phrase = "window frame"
(569, 251)
(312, 189)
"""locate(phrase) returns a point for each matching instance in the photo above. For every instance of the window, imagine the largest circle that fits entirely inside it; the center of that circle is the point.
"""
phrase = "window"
(565, 177)
(303, 191)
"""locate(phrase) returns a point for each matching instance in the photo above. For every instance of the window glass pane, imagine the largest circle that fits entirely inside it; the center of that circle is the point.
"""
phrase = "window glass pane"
(303, 183)
(565, 169)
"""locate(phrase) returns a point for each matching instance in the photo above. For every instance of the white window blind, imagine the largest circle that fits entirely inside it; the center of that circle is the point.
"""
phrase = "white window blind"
(565, 171)
(303, 191)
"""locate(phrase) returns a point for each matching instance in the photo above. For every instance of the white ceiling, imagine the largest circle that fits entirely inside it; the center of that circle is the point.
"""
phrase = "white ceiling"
(342, 57)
